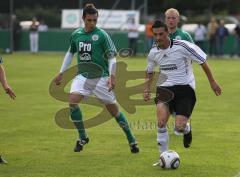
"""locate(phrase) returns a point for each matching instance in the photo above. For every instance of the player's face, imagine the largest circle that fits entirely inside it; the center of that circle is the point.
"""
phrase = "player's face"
(90, 22)
(161, 36)
(172, 20)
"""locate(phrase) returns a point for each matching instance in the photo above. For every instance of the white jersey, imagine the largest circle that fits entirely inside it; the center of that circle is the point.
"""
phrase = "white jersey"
(176, 62)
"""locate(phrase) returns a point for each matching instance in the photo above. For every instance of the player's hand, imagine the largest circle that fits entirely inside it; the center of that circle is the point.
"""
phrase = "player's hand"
(58, 79)
(111, 83)
(216, 88)
(10, 92)
(146, 95)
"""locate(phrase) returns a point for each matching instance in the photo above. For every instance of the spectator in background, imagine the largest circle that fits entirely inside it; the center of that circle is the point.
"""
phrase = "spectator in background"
(133, 35)
(33, 35)
(172, 18)
(149, 35)
(200, 36)
(212, 29)
(42, 26)
(16, 33)
(236, 47)
(221, 35)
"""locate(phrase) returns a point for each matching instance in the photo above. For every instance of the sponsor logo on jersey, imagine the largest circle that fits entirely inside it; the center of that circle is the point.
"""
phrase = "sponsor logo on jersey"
(85, 47)
(95, 37)
(85, 57)
(168, 67)
(85, 51)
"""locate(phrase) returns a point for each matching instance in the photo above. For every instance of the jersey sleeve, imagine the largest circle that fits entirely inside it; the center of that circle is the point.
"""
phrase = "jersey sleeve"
(194, 52)
(108, 45)
(72, 48)
(150, 63)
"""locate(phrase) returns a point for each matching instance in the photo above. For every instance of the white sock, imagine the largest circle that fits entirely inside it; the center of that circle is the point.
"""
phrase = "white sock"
(162, 139)
(187, 129)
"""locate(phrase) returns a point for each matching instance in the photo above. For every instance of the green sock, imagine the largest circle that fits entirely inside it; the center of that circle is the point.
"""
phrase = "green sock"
(122, 121)
(76, 116)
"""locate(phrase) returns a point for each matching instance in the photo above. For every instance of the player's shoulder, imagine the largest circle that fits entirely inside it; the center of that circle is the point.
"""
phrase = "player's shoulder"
(153, 51)
(102, 32)
(182, 43)
(77, 32)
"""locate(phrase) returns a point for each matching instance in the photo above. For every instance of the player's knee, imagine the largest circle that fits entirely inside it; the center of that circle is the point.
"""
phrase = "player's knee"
(161, 124)
(180, 128)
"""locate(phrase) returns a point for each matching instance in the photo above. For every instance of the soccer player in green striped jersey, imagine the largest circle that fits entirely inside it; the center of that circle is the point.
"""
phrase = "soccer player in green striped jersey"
(94, 48)
(172, 19)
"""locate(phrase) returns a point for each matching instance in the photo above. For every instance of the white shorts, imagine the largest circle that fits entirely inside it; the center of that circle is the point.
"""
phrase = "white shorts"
(98, 87)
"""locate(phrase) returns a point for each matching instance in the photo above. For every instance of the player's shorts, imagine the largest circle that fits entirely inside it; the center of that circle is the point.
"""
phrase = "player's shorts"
(97, 87)
(183, 99)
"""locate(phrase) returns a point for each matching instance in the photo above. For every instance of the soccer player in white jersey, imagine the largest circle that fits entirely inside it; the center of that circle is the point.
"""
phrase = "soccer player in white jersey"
(8, 90)
(176, 93)
(93, 46)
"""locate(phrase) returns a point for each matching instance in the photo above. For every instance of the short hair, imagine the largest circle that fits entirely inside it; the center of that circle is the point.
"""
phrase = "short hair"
(89, 9)
(172, 10)
(160, 24)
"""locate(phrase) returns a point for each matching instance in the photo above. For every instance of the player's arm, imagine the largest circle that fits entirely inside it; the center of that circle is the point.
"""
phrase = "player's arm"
(147, 85)
(4, 83)
(110, 54)
(112, 72)
(148, 78)
(66, 62)
(214, 85)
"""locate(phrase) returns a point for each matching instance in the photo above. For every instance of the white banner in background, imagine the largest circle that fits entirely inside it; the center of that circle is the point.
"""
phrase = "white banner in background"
(108, 19)
(70, 18)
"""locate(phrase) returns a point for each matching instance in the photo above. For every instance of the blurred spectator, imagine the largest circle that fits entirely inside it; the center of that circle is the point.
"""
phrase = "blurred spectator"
(221, 34)
(16, 33)
(236, 48)
(42, 26)
(33, 35)
(149, 35)
(200, 36)
(212, 29)
(133, 35)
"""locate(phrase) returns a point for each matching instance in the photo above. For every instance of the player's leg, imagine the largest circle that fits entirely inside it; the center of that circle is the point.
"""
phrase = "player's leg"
(77, 93)
(162, 132)
(108, 98)
(123, 123)
(184, 105)
(77, 118)
(182, 126)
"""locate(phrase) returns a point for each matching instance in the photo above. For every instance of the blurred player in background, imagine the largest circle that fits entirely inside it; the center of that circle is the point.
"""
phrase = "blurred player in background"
(172, 18)
(93, 45)
(8, 90)
(177, 93)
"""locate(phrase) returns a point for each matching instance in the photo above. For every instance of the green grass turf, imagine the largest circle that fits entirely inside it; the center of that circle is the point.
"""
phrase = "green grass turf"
(35, 146)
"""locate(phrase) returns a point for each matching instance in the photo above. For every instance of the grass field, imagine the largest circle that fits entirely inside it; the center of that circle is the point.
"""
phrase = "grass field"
(35, 146)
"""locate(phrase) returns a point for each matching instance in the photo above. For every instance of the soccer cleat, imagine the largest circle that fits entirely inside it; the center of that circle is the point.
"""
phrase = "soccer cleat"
(2, 161)
(79, 144)
(158, 163)
(134, 148)
(187, 139)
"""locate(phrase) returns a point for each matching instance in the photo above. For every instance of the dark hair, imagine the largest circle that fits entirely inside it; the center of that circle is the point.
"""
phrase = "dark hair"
(89, 9)
(159, 24)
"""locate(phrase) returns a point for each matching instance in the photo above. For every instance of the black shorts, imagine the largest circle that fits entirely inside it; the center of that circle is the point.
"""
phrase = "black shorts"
(180, 99)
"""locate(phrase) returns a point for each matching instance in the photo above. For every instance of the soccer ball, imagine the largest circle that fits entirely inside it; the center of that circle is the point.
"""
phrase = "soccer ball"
(169, 160)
